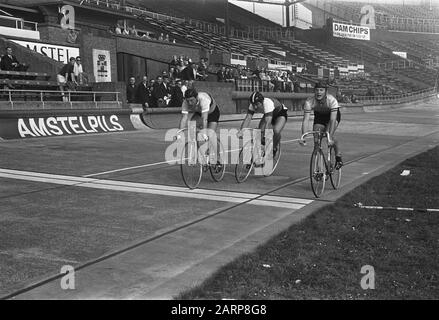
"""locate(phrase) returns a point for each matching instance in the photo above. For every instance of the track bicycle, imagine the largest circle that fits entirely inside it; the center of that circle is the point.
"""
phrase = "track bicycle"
(321, 167)
(253, 155)
(196, 158)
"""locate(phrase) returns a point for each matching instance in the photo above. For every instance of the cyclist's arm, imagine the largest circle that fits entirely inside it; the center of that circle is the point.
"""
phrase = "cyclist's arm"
(306, 116)
(332, 123)
(333, 119)
(204, 116)
(267, 124)
(247, 120)
(184, 120)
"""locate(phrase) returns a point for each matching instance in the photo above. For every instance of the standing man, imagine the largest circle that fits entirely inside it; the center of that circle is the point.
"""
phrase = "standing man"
(143, 93)
(132, 91)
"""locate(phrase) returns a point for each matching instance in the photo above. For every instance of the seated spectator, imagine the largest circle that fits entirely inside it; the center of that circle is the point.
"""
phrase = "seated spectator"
(161, 37)
(167, 38)
(126, 32)
(10, 63)
(143, 93)
(132, 91)
(66, 76)
(221, 74)
(173, 73)
(80, 76)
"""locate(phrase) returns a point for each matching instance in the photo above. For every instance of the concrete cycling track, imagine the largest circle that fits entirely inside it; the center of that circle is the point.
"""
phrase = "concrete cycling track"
(111, 207)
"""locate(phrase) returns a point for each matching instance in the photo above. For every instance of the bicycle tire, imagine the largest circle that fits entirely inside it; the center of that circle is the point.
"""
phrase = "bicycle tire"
(191, 172)
(218, 169)
(245, 165)
(317, 172)
(335, 174)
(269, 171)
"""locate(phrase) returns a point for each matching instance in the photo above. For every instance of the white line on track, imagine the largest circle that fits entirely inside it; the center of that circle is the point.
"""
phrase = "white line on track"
(155, 164)
(146, 188)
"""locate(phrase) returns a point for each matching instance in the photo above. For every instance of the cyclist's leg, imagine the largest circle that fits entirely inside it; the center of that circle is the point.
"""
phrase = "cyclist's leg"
(318, 127)
(278, 125)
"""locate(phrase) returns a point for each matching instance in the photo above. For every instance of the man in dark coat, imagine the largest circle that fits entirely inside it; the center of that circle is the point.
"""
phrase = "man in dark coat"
(10, 63)
(190, 72)
(143, 93)
(132, 91)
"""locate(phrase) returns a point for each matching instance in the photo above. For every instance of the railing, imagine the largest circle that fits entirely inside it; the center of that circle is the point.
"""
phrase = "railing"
(98, 98)
(395, 64)
(271, 86)
(18, 23)
(411, 96)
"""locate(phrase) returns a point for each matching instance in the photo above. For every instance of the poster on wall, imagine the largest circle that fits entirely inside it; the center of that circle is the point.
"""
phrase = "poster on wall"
(101, 65)
(58, 53)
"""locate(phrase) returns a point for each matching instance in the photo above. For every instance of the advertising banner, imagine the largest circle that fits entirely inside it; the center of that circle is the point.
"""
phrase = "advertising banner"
(53, 125)
(58, 53)
(101, 65)
(342, 30)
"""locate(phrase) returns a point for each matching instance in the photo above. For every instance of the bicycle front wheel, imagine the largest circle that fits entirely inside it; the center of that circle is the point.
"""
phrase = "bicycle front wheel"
(218, 161)
(190, 166)
(335, 173)
(317, 172)
(245, 162)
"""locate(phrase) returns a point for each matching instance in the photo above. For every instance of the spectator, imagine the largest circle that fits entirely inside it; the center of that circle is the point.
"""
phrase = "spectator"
(190, 72)
(202, 70)
(161, 38)
(184, 86)
(118, 29)
(78, 71)
(66, 75)
(177, 95)
(10, 63)
(133, 31)
(159, 92)
(229, 75)
(132, 91)
(221, 74)
(180, 66)
(167, 38)
(173, 73)
(174, 61)
(144, 93)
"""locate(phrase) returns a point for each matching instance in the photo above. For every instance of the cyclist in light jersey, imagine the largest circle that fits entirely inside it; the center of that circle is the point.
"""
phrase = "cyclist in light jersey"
(200, 104)
(275, 116)
(326, 117)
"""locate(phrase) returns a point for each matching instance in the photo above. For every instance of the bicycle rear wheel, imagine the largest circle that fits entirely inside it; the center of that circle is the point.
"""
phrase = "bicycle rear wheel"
(271, 161)
(245, 162)
(317, 172)
(218, 168)
(335, 173)
(191, 167)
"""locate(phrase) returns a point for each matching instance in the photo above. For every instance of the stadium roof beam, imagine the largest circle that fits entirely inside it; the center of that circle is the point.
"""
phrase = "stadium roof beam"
(286, 3)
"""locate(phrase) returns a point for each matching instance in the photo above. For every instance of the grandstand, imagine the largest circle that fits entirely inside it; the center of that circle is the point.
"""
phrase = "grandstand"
(392, 62)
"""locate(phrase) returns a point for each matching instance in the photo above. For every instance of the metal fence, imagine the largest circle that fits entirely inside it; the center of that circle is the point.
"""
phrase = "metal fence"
(44, 97)
(406, 97)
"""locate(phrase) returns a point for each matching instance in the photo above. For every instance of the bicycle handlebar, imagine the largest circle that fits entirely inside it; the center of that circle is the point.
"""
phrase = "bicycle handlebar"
(324, 134)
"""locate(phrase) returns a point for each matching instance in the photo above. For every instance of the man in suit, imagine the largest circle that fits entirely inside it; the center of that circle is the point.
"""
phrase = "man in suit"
(190, 72)
(143, 93)
(10, 63)
(132, 91)
(161, 91)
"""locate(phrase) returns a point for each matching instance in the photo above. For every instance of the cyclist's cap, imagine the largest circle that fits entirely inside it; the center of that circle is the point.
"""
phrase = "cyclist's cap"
(190, 93)
(256, 97)
(321, 84)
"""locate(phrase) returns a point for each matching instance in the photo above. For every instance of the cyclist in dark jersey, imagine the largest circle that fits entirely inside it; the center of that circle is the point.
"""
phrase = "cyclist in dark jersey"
(275, 116)
(326, 116)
